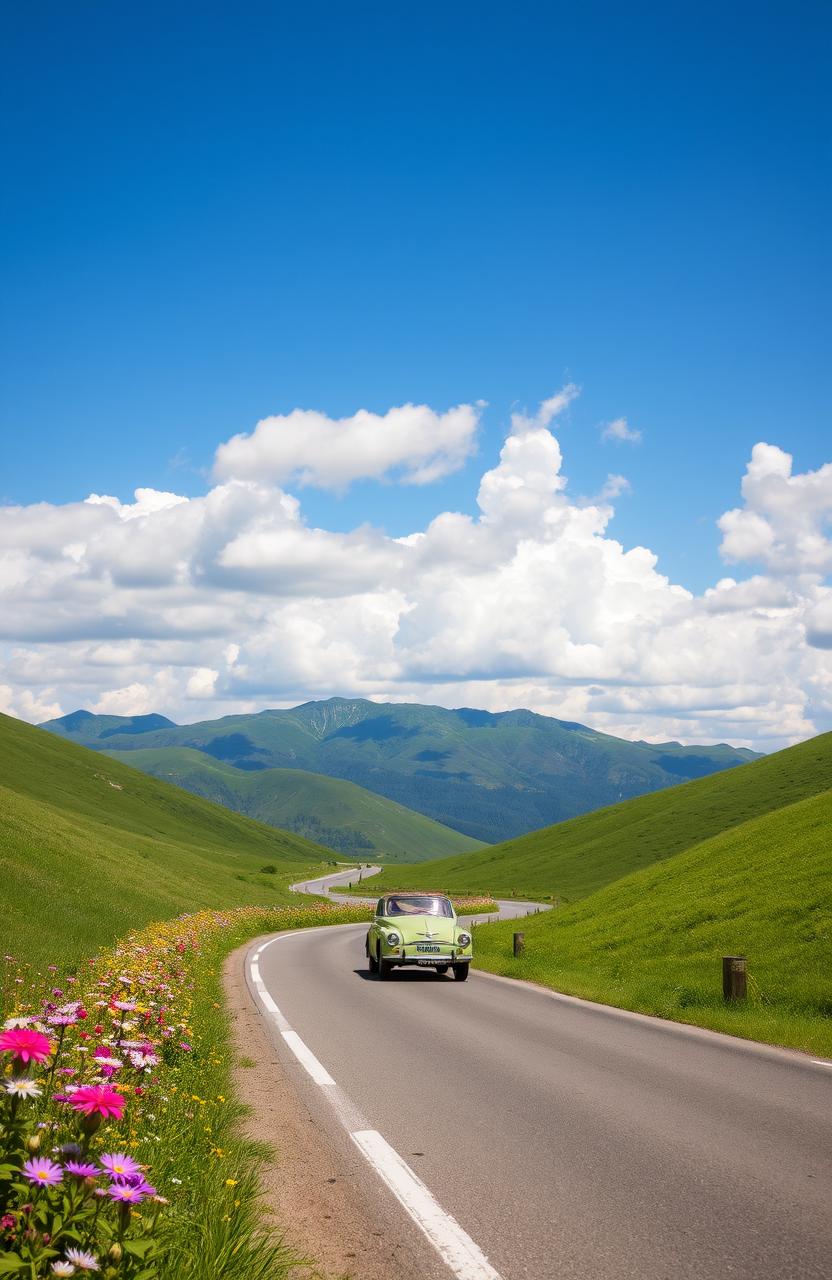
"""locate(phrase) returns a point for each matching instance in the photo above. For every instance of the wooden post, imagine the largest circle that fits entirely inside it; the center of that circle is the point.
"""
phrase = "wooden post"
(519, 944)
(733, 977)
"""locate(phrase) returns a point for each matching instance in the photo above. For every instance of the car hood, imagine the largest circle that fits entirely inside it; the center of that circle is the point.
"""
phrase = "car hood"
(415, 928)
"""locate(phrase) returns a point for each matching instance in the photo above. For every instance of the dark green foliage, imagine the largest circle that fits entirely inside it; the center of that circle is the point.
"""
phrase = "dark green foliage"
(344, 817)
(491, 776)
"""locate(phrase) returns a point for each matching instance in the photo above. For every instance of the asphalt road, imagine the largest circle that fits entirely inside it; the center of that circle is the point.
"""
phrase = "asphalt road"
(326, 886)
(566, 1139)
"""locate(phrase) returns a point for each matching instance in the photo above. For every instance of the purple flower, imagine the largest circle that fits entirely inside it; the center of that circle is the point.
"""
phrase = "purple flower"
(43, 1171)
(125, 1194)
(82, 1169)
(120, 1166)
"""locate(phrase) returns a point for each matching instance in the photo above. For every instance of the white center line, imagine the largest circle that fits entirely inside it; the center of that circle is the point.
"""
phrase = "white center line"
(456, 1248)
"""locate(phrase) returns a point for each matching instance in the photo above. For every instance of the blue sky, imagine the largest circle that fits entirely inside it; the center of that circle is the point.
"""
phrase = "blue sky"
(218, 212)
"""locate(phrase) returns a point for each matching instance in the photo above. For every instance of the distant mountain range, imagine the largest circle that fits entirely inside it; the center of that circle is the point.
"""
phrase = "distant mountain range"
(491, 776)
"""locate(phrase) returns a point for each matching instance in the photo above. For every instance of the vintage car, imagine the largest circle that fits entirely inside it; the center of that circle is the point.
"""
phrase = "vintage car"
(417, 929)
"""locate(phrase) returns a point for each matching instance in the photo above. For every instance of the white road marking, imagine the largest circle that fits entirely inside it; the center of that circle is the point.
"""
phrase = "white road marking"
(454, 1245)
(819, 1062)
(456, 1248)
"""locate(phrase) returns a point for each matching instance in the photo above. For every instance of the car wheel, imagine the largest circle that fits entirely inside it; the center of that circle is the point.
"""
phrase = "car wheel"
(384, 967)
(372, 964)
(442, 968)
(461, 972)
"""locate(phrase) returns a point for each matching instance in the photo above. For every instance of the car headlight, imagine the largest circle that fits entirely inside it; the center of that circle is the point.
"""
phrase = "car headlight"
(463, 939)
(393, 939)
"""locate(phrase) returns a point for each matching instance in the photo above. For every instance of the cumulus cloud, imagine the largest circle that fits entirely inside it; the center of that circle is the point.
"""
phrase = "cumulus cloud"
(619, 431)
(231, 601)
(784, 519)
(412, 443)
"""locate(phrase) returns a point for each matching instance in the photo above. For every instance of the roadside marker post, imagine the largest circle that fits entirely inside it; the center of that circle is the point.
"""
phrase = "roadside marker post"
(734, 978)
(519, 944)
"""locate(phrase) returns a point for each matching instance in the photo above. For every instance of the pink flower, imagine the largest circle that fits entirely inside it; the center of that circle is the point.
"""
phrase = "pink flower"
(98, 1099)
(29, 1046)
(123, 1192)
(43, 1171)
(119, 1165)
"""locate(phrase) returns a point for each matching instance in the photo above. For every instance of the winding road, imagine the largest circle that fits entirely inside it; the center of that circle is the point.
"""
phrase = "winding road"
(512, 1132)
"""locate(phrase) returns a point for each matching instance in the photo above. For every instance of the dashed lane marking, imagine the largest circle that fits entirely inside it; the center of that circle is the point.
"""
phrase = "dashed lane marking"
(456, 1248)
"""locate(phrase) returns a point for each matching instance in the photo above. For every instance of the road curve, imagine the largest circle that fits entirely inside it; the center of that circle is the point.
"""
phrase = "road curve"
(507, 908)
(566, 1139)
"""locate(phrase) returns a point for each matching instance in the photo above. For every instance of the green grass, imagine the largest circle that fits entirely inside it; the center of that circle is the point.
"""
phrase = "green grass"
(90, 848)
(575, 858)
(653, 941)
(349, 819)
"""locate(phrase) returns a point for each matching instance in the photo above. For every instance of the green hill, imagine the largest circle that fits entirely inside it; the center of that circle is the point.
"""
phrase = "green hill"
(344, 817)
(573, 859)
(90, 848)
(490, 776)
(653, 941)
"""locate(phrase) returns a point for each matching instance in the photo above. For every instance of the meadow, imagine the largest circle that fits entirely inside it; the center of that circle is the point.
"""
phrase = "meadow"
(95, 849)
(652, 941)
(573, 859)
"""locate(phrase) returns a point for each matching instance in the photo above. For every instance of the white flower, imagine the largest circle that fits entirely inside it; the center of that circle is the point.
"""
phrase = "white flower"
(23, 1088)
(11, 1023)
(62, 1269)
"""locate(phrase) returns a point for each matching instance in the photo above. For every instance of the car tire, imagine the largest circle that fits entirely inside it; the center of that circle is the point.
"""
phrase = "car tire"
(442, 969)
(384, 967)
(461, 972)
(372, 963)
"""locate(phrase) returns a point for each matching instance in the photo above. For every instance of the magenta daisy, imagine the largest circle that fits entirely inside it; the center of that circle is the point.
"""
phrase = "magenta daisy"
(98, 1099)
(25, 1044)
(120, 1166)
(43, 1172)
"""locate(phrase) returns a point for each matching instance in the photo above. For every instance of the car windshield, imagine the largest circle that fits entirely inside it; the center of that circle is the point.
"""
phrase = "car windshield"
(407, 905)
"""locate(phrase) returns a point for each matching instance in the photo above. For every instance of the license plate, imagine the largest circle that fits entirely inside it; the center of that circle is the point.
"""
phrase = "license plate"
(423, 946)
(434, 961)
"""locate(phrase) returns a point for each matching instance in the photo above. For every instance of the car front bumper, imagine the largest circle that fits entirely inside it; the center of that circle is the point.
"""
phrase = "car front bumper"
(431, 960)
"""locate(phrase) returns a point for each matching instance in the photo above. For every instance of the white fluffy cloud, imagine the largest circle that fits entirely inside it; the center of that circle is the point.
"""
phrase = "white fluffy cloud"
(411, 442)
(782, 524)
(231, 601)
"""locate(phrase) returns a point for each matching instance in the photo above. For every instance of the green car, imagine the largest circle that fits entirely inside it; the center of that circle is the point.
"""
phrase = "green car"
(417, 929)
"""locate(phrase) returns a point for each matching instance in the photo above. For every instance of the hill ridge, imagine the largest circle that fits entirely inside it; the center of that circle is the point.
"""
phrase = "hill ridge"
(489, 775)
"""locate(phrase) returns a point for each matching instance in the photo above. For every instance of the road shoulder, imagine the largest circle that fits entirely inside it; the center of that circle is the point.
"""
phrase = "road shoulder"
(311, 1191)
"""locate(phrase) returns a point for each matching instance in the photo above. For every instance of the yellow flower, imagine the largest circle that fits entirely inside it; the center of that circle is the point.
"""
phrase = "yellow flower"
(231, 1182)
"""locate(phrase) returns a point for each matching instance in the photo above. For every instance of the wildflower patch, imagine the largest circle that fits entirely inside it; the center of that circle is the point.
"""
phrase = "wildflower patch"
(119, 1147)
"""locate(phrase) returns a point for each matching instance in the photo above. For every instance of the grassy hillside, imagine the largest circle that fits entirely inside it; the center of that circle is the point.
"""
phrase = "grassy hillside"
(354, 822)
(90, 848)
(575, 858)
(653, 940)
(490, 776)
